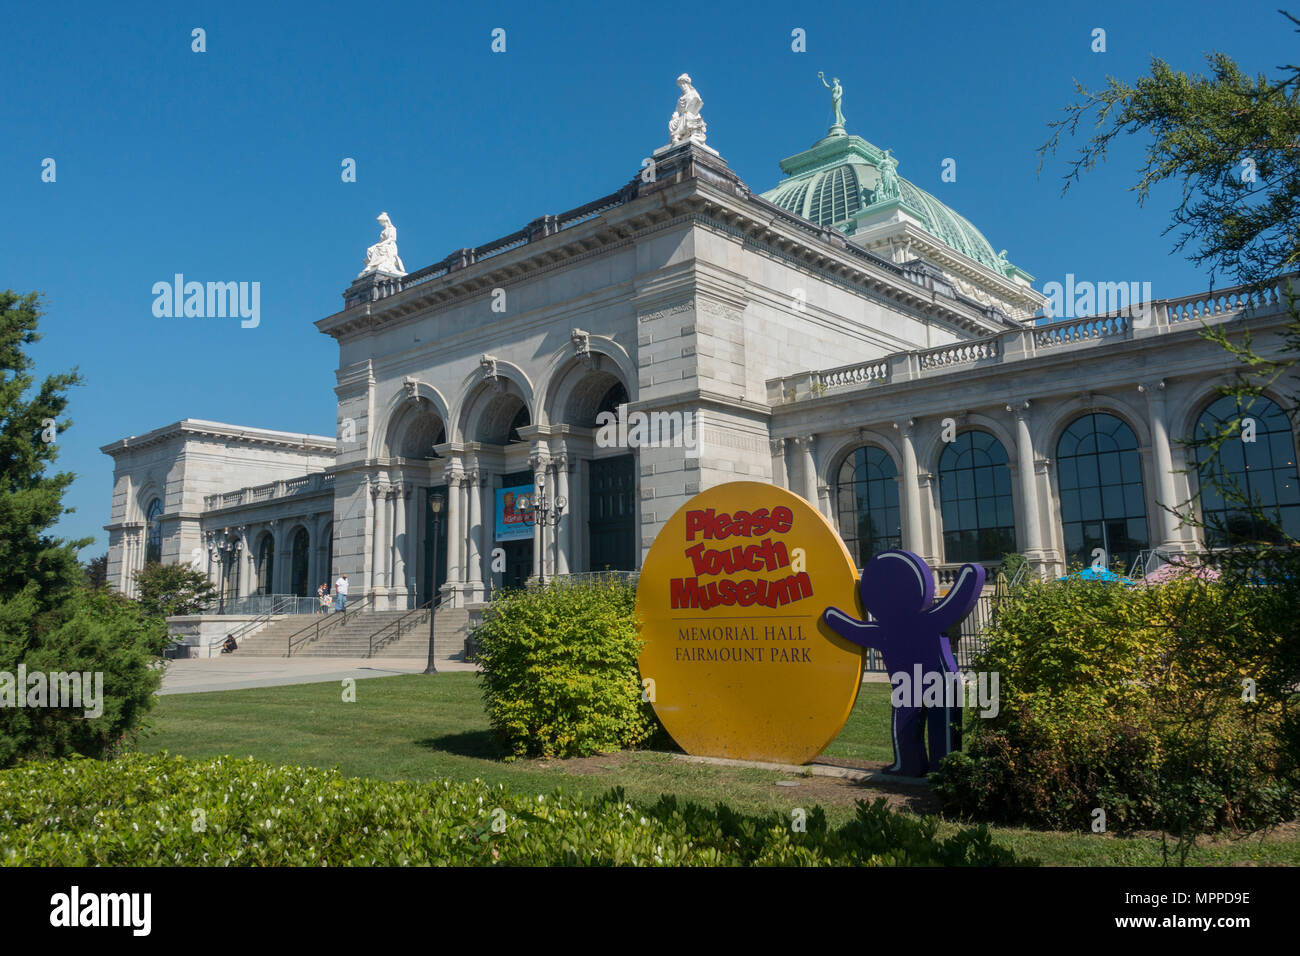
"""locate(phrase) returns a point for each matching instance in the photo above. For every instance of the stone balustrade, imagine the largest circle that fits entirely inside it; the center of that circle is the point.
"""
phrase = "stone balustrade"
(960, 353)
(270, 491)
(1081, 330)
(1158, 317)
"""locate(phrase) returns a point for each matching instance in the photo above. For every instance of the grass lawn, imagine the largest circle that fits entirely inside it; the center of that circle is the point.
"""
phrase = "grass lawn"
(417, 728)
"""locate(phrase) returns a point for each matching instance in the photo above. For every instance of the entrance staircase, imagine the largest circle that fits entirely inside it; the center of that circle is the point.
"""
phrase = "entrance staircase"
(361, 633)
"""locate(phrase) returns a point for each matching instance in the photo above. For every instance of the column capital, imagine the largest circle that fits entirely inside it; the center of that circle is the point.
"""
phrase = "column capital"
(905, 426)
(538, 460)
(1019, 408)
(804, 442)
(778, 447)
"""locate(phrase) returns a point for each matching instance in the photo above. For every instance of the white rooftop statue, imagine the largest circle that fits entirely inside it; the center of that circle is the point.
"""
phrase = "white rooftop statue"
(686, 123)
(382, 256)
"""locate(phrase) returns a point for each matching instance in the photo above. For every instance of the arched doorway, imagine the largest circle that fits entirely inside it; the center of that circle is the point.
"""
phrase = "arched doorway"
(265, 564)
(299, 565)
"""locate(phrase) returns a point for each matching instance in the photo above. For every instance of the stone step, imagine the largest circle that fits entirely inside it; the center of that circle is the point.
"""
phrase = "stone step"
(352, 638)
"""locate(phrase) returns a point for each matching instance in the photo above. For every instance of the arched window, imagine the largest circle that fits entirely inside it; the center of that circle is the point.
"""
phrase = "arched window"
(1103, 505)
(975, 499)
(153, 533)
(265, 564)
(298, 582)
(1259, 466)
(867, 498)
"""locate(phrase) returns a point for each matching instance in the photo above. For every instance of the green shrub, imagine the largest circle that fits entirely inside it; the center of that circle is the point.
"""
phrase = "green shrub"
(1129, 700)
(93, 631)
(161, 810)
(560, 672)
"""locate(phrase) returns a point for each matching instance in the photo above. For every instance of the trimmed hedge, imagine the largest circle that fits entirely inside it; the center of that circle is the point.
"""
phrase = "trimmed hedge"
(1130, 700)
(560, 672)
(162, 810)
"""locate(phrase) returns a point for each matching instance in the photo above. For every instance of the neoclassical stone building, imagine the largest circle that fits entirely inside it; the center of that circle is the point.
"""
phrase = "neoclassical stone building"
(844, 334)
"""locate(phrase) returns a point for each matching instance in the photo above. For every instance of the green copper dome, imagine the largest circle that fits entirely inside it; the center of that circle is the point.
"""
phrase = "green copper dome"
(843, 179)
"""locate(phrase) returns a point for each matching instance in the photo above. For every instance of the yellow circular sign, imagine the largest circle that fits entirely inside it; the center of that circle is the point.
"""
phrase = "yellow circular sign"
(730, 601)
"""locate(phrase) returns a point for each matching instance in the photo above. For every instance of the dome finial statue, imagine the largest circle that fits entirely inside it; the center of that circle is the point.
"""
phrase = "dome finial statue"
(382, 256)
(887, 180)
(686, 122)
(837, 94)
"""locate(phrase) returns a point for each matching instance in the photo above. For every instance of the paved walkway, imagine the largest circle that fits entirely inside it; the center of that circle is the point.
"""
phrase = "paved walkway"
(232, 672)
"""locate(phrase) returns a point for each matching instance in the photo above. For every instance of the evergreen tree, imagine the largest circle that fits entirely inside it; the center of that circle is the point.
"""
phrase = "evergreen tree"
(31, 501)
(167, 589)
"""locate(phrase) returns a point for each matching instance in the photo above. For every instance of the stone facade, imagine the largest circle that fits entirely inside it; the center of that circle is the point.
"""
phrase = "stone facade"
(216, 485)
(786, 343)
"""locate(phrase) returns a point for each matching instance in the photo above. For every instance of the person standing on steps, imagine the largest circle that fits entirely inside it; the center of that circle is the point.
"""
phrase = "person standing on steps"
(341, 589)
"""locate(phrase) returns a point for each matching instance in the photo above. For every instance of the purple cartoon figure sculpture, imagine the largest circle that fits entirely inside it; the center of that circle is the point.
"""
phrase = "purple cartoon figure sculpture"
(897, 590)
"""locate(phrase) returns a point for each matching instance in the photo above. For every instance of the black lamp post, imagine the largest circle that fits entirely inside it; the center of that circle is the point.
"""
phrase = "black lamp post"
(436, 501)
(542, 516)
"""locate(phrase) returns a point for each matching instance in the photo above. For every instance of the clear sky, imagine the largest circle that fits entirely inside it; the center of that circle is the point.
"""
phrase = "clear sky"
(225, 165)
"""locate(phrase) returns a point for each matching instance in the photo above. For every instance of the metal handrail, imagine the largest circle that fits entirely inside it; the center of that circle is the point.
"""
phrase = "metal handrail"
(398, 624)
(335, 618)
(277, 607)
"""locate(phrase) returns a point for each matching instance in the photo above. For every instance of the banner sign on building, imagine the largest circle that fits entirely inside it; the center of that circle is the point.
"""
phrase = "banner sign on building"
(513, 524)
(730, 601)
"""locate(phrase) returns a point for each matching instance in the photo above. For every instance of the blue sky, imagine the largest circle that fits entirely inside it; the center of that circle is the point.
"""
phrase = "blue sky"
(225, 165)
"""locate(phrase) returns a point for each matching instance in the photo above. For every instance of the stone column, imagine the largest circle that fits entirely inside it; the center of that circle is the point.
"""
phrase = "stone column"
(125, 572)
(454, 540)
(414, 522)
(1166, 495)
(277, 557)
(807, 468)
(247, 572)
(577, 519)
(474, 564)
(400, 494)
(913, 529)
(365, 573)
(824, 501)
(381, 545)
(779, 477)
(563, 536)
(925, 481)
(1032, 515)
